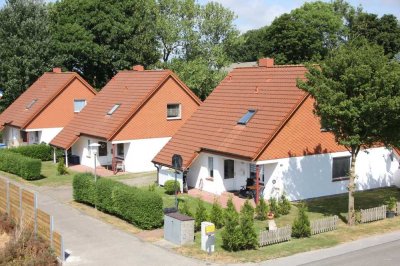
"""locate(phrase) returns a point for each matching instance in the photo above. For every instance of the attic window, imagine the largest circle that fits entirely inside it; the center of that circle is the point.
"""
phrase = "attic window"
(31, 104)
(115, 107)
(246, 118)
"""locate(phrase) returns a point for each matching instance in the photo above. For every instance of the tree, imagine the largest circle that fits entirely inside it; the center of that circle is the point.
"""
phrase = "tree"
(201, 215)
(24, 47)
(357, 93)
(262, 210)
(301, 225)
(231, 234)
(249, 235)
(217, 214)
(97, 38)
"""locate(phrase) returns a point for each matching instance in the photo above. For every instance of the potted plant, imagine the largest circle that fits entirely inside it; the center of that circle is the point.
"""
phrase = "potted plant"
(391, 207)
(270, 215)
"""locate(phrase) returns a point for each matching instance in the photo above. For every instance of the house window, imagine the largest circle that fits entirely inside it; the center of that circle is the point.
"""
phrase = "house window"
(253, 171)
(340, 168)
(78, 105)
(29, 105)
(211, 166)
(102, 148)
(113, 109)
(173, 111)
(229, 169)
(120, 150)
(24, 136)
(89, 149)
(246, 118)
(36, 136)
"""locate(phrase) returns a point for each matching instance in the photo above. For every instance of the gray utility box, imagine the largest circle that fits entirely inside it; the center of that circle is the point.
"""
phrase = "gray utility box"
(178, 228)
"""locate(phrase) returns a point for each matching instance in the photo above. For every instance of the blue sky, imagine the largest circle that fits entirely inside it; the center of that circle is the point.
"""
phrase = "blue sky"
(254, 14)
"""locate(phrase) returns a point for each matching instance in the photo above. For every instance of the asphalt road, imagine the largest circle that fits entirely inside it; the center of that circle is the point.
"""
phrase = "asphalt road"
(387, 254)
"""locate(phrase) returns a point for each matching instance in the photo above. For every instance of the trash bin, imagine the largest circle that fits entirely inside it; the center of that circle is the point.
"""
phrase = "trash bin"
(74, 159)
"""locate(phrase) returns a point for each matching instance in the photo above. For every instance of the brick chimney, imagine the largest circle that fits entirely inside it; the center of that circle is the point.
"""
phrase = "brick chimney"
(57, 70)
(266, 62)
(138, 68)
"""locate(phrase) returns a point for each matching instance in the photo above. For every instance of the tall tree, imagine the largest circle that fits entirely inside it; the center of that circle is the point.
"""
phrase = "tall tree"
(99, 37)
(357, 92)
(24, 46)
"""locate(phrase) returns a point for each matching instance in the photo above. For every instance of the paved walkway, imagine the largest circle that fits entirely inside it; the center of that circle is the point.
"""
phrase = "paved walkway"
(100, 170)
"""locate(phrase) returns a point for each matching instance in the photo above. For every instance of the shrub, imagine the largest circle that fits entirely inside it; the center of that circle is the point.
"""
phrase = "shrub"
(301, 225)
(217, 214)
(274, 207)
(152, 187)
(231, 235)
(104, 194)
(284, 205)
(84, 189)
(42, 151)
(170, 187)
(247, 229)
(61, 169)
(25, 167)
(185, 209)
(201, 215)
(261, 210)
(391, 204)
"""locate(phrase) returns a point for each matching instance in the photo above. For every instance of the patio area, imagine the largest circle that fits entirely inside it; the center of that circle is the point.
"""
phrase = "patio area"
(100, 171)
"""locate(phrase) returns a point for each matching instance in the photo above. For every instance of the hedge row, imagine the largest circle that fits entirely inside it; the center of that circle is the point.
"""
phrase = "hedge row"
(25, 167)
(42, 151)
(142, 208)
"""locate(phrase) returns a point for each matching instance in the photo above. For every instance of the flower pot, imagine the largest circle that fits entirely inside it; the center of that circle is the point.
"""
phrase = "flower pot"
(270, 216)
(390, 214)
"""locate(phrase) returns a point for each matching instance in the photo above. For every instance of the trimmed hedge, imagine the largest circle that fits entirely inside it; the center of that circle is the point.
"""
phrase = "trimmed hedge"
(25, 167)
(42, 151)
(142, 208)
(169, 187)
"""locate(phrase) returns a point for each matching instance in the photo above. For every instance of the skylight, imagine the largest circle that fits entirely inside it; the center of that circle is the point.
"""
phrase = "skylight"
(115, 107)
(246, 118)
(31, 103)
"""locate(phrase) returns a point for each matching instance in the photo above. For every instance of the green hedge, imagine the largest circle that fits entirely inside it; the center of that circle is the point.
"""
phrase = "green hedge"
(142, 208)
(25, 167)
(42, 151)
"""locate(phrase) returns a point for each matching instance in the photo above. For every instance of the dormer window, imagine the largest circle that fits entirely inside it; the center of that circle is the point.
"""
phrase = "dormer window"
(246, 118)
(113, 109)
(31, 104)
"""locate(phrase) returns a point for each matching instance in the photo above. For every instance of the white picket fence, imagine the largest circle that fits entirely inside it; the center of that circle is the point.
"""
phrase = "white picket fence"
(324, 225)
(275, 236)
(373, 214)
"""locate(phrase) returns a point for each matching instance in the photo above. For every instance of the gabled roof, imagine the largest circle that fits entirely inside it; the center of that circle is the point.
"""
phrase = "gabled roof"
(37, 97)
(131, 90)
(269, 90)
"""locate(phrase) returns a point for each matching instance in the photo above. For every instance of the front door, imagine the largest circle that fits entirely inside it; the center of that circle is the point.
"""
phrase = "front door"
(229, 174)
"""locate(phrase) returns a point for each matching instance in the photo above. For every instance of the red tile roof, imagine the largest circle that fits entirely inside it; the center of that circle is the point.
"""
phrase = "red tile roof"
(44, 91)
(397, 150)
(271, 91)
(131, 89)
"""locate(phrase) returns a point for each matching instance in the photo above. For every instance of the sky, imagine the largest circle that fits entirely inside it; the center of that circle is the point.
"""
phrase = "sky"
(253, 14)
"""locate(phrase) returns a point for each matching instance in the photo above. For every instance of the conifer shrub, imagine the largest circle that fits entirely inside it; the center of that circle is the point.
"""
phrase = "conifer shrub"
(274, 207)
(61, 169)
(217, 214)
(201, 215)
(247, 229)
(284, 205)
(262, 210)
(231, 234)
(301, 225)
(185, 209)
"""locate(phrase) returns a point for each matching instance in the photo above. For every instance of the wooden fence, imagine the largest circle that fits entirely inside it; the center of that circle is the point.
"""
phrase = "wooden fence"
(324, 225)
(275, 236)
(373, 214)
(21, 205)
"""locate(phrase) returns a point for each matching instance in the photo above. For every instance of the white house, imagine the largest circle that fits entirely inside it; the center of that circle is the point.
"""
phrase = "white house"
(42, 111)
(131, 118)
(258, 120)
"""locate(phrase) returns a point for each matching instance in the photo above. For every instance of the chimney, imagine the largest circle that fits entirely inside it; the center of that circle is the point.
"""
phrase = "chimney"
(57, 70)
(138, 68)
(266, 62)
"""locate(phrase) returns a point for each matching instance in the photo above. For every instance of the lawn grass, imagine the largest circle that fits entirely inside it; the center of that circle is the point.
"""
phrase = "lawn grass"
(317, 208)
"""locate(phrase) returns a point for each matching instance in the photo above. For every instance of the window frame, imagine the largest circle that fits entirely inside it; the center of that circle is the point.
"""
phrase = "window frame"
(102, 149)
(340, 178)
(30, 104)
(119, 145)
(79, 100)
(114, 108)
(179, 110)
(245, 119)
(231, 163)
(210, 166)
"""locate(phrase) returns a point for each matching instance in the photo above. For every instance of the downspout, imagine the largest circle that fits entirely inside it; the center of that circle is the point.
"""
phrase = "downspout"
(158, 172)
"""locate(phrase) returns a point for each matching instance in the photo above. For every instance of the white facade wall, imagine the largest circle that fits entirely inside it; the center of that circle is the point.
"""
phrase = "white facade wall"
(166, 174)
(299, 177)
(46, 135)
(12, 136)
(86, 155)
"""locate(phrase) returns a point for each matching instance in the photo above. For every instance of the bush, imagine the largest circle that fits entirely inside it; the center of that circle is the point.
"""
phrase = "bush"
(104, 194)
(42, 151)
(84, 189)
(274, 207)
(185, 209)
(284, 205)
(25, 167)
(247, 229)
(217, 214)
(200, 216)
(170, 187)
(61, 169)
(262, 210)
(231, 235)
(301, 225)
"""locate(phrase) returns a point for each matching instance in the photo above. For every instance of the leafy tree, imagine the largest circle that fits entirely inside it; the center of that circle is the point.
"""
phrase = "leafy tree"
(261, 210)
(24, 47)
(249, 235)
(301, 225)
(357, 92)
(201, 215)
(217, 214)
(97, 38)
